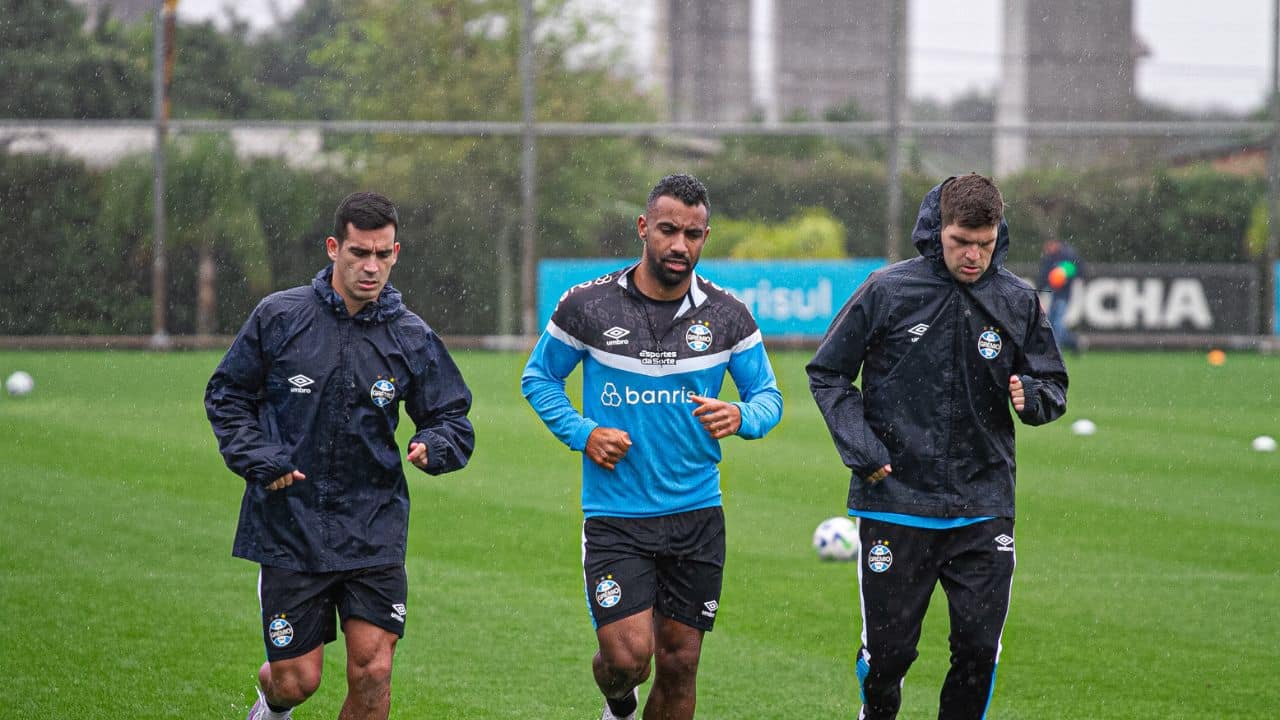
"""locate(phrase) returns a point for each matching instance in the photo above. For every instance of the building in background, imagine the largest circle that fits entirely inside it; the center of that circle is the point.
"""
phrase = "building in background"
(708, 48)
(818, 57)
(835, 56)
(1061, 62)
(744, 60)
(1065, 62)
(126, 11)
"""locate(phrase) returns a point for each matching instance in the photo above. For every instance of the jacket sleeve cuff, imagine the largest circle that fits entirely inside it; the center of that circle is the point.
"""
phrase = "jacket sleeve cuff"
(268, 474)
(880, 458)
(437, 451)
(1030, 396)
(578, 441)
(440, 454)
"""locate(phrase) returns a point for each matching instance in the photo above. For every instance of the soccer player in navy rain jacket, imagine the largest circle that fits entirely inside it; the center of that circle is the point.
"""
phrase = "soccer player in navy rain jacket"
(944, 344)
(305, 406)
(655, 341)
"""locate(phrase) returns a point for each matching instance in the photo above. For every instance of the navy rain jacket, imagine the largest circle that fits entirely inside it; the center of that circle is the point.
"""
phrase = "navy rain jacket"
(935, 357)
(307, 386)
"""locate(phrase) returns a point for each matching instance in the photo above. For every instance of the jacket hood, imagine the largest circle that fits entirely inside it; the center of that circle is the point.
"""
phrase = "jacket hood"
(387, 307)
(927, 235)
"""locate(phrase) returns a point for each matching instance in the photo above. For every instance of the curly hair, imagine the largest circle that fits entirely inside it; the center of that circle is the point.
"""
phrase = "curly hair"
(683, 187)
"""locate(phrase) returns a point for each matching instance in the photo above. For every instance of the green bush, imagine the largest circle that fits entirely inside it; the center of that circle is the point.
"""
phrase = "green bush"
(84, 237)
(1193, 215)
(811, 233)
(65, 278)
(851, 189)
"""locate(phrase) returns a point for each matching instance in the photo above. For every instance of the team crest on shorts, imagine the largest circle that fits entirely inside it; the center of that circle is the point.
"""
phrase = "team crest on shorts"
(279, 631)
(989, 343)
(608, 593)
(383, 392)
(698, 336)
(879, 557)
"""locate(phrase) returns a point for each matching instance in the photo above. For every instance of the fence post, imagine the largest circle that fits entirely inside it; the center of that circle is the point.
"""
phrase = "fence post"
(1273, 181)
(528, 179)
(165, 19)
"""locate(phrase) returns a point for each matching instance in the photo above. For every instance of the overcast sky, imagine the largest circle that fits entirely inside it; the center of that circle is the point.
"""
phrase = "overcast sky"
(1202, 54)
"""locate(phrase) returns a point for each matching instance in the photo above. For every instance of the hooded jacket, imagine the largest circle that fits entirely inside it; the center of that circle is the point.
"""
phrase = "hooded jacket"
(935, 357)
(308, 386)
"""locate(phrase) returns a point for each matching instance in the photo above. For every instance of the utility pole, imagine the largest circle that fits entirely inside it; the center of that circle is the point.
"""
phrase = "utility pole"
(528, 177)
(1273, 180)
(162, 76)
(893, 156)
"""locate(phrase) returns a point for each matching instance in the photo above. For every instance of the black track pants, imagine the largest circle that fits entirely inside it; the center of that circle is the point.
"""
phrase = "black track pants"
(898, 568)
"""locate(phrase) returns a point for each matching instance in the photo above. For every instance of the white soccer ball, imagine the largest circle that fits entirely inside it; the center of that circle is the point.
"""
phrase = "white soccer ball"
(836, 539)
(1264, 443)
(1083, 427)
(19, 383)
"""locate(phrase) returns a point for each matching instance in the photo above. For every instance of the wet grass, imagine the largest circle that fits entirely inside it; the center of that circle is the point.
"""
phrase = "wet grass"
(1146, 587)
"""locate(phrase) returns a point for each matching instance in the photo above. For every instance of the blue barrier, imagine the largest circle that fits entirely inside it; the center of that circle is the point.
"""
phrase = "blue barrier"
(787, 297)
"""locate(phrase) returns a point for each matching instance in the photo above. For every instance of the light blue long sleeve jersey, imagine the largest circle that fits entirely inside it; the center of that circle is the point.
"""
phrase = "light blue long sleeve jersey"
(637, 376)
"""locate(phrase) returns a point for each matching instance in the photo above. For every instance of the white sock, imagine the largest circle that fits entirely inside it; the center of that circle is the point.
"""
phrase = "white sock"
(273, 715)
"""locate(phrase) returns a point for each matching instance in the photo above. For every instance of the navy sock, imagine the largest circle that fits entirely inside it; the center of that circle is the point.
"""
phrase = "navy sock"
(624, 706)
(277, 708)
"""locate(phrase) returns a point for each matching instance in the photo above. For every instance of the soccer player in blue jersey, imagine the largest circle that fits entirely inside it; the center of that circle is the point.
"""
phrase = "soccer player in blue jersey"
(655, 341)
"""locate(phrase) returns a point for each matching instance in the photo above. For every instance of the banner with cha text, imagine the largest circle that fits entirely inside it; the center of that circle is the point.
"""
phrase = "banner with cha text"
(1163, 299)
(787, 297)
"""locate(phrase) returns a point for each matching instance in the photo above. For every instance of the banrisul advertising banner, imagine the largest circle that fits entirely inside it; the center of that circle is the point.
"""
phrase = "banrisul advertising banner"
(1184, 299)
(787, 297)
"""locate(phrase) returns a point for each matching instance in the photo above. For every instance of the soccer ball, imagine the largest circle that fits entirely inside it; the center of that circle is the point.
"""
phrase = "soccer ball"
(836, 539)
(19, 384)
(1083, 427)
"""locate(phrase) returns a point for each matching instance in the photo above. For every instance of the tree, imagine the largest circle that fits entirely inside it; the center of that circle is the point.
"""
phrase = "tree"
(212, 221)
(460, 196)
(53, 69)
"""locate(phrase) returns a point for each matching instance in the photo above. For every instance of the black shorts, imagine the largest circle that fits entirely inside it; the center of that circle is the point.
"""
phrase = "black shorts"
(672, 563)
(298, 607)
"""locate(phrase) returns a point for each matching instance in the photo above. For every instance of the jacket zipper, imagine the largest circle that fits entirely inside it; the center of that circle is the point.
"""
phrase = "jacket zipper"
(344, 393)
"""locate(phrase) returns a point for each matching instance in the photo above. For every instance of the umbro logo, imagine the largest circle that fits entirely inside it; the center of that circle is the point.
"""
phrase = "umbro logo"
(711, 607)
(300, 383)
(919, 331)
(397, 611)
(1005, 542)
(617, 335)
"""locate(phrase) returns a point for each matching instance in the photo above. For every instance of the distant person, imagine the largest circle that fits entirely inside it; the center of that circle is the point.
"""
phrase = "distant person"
(1060, 267)
(655, 341)
(305, 406)
(942, 345)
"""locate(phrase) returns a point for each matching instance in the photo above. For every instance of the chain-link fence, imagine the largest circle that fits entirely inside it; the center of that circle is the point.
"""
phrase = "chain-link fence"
(506, 142)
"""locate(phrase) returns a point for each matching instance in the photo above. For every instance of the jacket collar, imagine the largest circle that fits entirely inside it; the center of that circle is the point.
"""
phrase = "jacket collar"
(692, 299)
(387, 307)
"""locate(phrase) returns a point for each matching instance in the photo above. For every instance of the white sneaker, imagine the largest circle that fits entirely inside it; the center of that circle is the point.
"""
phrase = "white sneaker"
(259, 711)
(608, 714)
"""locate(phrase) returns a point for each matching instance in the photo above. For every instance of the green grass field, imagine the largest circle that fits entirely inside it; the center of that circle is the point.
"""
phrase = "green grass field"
(1148, 574)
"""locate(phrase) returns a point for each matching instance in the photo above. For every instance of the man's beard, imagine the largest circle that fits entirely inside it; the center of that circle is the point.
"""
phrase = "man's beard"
(665, 276)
